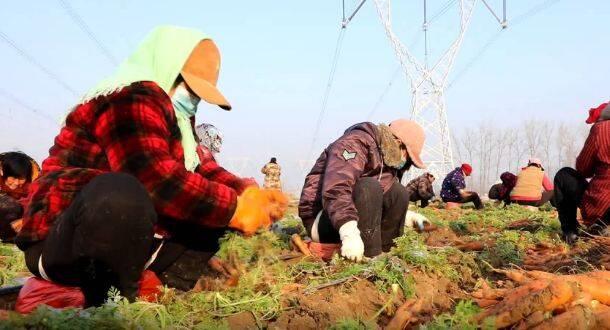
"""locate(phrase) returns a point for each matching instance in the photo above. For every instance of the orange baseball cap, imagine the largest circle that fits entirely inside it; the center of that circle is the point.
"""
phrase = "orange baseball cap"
(201, 73)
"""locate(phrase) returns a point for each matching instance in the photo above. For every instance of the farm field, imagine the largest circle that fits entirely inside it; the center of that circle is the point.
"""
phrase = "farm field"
(497, 268)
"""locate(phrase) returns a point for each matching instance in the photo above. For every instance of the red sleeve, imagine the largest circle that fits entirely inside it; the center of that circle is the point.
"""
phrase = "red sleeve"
(547, 184)
(134, 133)
(210, 170)
(587, 159)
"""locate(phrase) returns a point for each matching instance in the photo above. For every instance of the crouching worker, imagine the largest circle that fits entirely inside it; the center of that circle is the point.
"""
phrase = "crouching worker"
(588, 186)
(122, 189)
(420, 189)
(17, 170)
(454, 188)
(533, 188)
(353, 196)
(501, 190)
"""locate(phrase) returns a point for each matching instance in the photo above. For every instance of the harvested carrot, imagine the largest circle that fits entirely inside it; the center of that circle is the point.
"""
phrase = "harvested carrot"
(298, 243)
(598, 288)
(405, 314)
(556, 294)
(484, 303)
(577, 317)
(531, 321)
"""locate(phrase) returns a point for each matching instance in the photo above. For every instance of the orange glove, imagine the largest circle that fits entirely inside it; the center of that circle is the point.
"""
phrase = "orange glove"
(258, 208)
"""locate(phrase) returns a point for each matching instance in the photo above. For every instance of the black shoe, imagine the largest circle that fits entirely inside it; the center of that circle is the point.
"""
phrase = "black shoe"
(598, 228)
(569, 237)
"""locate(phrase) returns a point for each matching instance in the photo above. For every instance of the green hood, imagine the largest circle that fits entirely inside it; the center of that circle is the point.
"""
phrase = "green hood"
(159, 58)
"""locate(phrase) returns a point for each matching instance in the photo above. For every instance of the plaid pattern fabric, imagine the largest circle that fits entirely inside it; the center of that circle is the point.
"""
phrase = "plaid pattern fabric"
(594, 162)
(210, 170)
(133, 131)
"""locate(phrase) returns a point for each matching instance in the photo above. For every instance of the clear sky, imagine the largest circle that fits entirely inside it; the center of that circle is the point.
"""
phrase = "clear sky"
(276, 61)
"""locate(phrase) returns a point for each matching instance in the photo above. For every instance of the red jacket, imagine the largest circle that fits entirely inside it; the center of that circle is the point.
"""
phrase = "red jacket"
(329, 185)
(594, 162)
(133, 131)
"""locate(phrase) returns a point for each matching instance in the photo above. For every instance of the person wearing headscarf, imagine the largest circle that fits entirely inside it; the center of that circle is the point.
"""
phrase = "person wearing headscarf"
(453, 189)
(123, 189)
(533, 187)
(587, 186)
(353, 195)
(501, 190)
(272, 172)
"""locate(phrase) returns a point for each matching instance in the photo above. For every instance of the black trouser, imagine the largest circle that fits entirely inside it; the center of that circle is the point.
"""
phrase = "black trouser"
(470, 196)
(547, 196)
(381, 216)
(10, 210)
(416, 197)
(105, 238)
(494, 193)
(570, 186)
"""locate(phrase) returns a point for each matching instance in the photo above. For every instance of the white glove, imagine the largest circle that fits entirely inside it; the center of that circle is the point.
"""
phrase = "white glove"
(416, 218)
(352, 247)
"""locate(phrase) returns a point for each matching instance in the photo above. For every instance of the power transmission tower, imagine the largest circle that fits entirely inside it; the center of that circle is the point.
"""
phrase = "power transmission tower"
(428, 82)
(428, 85)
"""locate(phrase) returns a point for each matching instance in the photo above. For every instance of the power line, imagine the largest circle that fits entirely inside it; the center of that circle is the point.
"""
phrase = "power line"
(28, 107)
(383, 94)
(329, 84)
(83, 26)
(391, 83)
(442, 11)
(37, 64)
(516, 21)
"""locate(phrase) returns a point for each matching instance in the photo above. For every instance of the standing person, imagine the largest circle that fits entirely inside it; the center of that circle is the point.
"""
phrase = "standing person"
(122, 189)
(454, 188)
(420, 189)
(501, 191)
(272, 172)
(353, 195)
(17, 171)
(588, 185)
(533, 188)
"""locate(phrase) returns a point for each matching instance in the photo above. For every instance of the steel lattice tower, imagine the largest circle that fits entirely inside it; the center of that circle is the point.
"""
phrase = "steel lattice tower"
(428, 84)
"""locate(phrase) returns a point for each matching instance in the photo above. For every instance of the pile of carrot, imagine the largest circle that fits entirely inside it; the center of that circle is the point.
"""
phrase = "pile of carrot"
(547, 301)
(596, 252)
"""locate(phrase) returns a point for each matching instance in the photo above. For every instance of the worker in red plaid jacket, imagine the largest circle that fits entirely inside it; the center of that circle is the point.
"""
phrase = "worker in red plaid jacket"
(124, 189)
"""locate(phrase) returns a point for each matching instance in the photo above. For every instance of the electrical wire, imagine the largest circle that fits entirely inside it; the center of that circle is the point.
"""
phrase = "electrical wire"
(516, 21)
(37, 64)
(329, 85)
(83, 26)
(28, 107)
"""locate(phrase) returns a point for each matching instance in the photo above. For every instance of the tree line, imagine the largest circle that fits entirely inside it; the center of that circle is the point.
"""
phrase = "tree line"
(492, 150)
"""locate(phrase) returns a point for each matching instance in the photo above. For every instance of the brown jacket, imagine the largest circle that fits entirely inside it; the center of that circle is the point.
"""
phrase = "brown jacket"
(329, 184)
(420, 188)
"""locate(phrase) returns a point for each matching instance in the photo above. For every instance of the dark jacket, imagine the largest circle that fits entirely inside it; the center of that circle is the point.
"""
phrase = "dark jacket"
(453, 183)
(329, 184)
(420, 189)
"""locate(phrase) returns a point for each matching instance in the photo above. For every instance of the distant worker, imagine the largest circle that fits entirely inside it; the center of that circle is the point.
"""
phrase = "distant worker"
(420, 189)
(272, 172)
(533, 188)
(588, 186)
(353, 195)
(454, 190)
(501, 190)
(17, 171)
